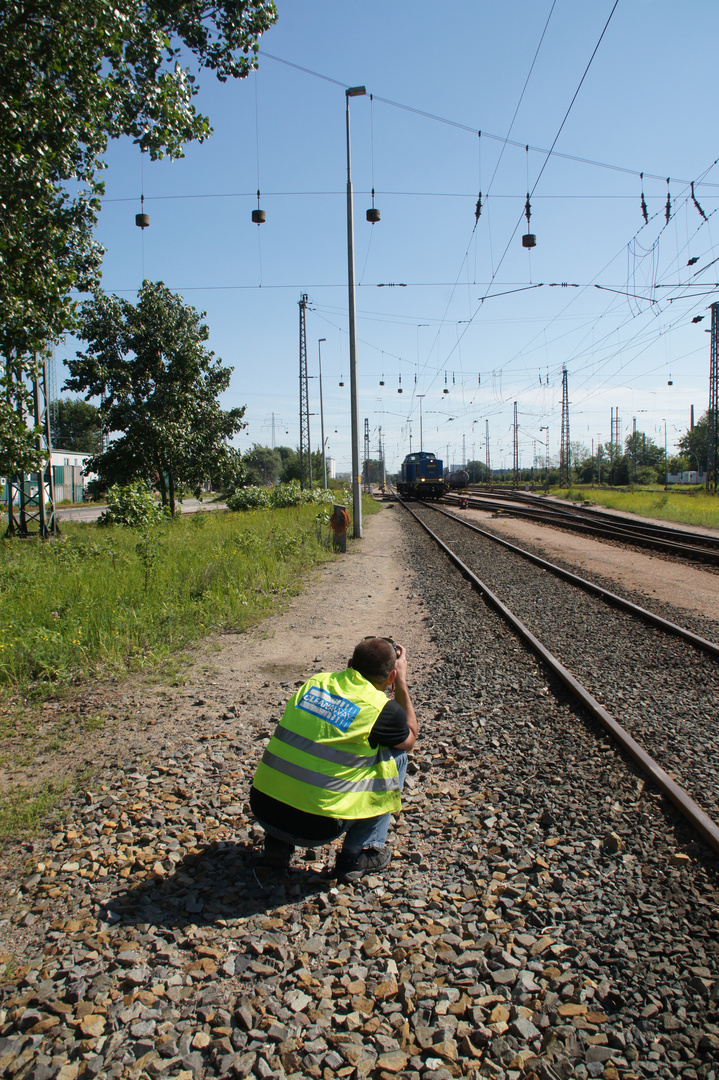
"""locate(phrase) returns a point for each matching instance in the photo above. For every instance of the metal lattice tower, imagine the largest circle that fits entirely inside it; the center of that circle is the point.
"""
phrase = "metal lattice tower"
(366, 453)
(713, 411)
(31, 496)
(515, 450)
(564, 439)
(305, 450)
(380, 457)
(486, 452)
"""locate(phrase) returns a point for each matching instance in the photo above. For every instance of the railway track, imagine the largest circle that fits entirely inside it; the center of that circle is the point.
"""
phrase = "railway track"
(660, 682)
(684, 544)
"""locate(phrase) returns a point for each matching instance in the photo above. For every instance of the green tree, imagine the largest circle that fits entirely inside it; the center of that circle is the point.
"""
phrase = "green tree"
(695, 443)
(74, 75)
(76, 425)
(371, 470)
(159, 386)
(263, 465)
(291, 464)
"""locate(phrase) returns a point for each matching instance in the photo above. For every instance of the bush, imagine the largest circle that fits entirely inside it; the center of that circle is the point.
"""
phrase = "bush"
(132, 505)
(262, 498)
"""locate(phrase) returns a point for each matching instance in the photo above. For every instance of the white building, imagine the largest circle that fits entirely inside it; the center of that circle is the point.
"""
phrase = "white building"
(68, 474)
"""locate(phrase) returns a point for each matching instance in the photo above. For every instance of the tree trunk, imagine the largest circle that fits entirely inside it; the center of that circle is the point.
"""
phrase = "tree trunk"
(161, 480)
(171, 479)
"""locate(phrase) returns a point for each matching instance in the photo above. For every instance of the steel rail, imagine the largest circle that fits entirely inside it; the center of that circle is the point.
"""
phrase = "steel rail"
(618, 601)
(611, 521)
(683, 801)
(624, 534)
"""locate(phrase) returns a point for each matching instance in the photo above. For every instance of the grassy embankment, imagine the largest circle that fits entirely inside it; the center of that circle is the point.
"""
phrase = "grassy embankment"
(106, 602)
(688, 507)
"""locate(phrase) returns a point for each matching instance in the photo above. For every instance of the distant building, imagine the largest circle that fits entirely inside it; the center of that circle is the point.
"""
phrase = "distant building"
(331, 468)
(67, 475)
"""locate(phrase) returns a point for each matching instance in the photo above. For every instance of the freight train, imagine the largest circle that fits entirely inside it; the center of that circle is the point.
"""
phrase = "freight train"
(422, 477)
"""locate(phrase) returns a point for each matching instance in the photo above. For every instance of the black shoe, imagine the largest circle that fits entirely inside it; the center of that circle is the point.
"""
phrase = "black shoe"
(367, 861)
(277, 853)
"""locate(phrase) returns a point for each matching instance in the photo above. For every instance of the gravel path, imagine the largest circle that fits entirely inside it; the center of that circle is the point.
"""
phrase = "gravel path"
(545, 914)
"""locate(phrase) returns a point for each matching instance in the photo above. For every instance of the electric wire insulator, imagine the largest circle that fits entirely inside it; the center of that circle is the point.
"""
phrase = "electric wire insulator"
(258, 216)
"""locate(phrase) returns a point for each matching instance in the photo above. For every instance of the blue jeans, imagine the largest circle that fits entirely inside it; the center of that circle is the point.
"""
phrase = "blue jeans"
(372, 832)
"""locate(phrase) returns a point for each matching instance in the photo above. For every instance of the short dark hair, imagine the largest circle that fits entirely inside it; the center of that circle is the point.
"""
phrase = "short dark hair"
(374, 658)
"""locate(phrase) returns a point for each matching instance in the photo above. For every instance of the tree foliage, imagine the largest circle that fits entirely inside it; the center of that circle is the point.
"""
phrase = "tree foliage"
(291, 464)
(263, 465)
(159, 387)
(74, 75)
(695, 443)
(76, 425)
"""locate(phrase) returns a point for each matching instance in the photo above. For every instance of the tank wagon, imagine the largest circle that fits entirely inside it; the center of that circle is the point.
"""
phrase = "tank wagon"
(459, 480)
(422, 477)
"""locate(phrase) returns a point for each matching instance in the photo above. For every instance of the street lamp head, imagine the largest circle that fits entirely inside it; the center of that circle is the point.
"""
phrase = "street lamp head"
(321, 339)
(355, 91)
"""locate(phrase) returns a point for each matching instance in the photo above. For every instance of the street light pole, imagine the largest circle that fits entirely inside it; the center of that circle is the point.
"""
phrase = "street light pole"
(353, 91)
(546, 485)
(322, 418)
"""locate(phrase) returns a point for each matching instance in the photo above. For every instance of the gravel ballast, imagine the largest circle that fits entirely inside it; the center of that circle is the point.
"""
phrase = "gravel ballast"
(545, 913)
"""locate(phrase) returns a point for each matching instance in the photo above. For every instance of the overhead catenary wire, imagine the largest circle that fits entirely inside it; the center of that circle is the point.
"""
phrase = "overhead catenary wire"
(473, 128)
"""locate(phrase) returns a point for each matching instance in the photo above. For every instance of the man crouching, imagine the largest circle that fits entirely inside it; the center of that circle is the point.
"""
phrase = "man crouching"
(337, 761)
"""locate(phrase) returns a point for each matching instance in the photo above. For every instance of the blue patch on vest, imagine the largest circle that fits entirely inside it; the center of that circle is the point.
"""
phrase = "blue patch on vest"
(336, 710)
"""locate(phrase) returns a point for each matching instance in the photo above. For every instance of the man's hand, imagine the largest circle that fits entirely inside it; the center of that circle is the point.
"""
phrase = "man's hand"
(400, 665)
(401, 696)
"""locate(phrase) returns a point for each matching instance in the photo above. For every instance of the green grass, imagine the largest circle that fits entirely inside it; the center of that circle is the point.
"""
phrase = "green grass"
(22, 808)
(107, 601)
(688, 507)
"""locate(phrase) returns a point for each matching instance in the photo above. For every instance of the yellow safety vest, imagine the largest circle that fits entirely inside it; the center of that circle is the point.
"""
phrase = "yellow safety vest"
(319, 759)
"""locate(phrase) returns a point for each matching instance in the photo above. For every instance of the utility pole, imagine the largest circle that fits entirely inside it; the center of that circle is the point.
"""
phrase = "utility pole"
(366, 453)
(322, 419)
(599, 460)
(615, 438)
(634, 451)
(305, 449)
(381, 459)
(353, 91)
(564, 463)
(713, 412)
(546, 481)
(515, 450)
(486, 452)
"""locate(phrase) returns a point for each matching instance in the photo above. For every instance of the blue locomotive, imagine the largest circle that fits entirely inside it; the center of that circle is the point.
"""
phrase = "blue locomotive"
(422, 477)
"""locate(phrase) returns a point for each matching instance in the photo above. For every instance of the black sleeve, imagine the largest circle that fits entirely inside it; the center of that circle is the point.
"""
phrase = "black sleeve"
(390, 727)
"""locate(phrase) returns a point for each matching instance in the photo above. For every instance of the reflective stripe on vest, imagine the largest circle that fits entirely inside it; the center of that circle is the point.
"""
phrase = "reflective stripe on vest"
(319, 759)
(329, 753)
(331, 783)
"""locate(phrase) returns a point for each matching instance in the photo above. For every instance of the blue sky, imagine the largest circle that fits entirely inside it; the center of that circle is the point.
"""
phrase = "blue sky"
(429, 275)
